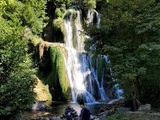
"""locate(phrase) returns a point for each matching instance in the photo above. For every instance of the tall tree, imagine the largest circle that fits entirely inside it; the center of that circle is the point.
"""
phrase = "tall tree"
(16, 84)
(130, 35)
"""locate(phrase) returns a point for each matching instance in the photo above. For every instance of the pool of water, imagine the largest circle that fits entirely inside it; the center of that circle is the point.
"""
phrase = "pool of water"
(57, 109)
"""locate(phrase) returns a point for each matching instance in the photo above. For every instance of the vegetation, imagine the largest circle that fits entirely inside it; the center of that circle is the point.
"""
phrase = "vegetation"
(15, 70)
(16, 84)
(121, 115)
(130, 35)
(85, 4)
(58, 79)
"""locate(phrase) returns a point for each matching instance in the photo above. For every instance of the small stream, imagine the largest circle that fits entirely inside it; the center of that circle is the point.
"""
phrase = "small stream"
(58, 109)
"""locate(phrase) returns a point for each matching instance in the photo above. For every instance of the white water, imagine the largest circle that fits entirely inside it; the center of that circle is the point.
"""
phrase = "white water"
(119, 92)
(90, 17)
(76, 69)
(83, 77)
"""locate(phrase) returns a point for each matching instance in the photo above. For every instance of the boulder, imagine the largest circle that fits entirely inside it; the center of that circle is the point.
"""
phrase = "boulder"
(41, 90)
(69, 114)
(39, 106)
(145, 107)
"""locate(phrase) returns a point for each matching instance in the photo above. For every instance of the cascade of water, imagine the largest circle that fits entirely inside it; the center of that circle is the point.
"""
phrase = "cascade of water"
(76, 68)
(118, 91)
(98, 19)
(83, 76)
(94, 72)
(79, 35)
(103, 94)
(90, 17)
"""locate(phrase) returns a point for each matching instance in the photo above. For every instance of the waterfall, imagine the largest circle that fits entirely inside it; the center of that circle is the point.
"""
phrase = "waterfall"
(82, 74)
(90, 17)
(119, 92)
(76, 68)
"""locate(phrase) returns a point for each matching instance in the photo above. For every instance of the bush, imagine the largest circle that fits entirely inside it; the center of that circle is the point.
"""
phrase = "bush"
(15, 71)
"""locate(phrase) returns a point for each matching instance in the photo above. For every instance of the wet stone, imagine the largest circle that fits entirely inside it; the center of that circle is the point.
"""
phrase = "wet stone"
(70, 114)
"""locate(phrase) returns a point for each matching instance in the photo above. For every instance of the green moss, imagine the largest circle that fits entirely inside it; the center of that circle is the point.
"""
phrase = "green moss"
(36, 40)
(57, 23)
(58, 75)
(91, 4)
(58, 12)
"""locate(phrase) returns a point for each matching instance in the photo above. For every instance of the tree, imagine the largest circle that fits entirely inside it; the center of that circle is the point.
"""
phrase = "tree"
(16, 68)
(129, 35)
(29, 13)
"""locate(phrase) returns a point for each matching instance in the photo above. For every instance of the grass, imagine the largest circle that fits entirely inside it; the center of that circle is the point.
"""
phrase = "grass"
(132, 116)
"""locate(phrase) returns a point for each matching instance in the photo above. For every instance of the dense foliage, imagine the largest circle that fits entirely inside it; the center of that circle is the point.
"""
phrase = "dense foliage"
(77, 3)
(16, 84)
(130, 36)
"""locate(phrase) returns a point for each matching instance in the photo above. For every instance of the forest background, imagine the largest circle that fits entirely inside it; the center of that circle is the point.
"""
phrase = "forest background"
(129, 34)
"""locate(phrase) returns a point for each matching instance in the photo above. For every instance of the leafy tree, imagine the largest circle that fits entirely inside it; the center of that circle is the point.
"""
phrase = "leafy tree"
(16, 84)
(85, 4)
(15, 71)
(130, 35)
(29, 13)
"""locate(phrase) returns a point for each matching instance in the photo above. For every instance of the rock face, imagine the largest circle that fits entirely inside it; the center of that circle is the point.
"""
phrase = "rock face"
(57, 79)
(145, 107)
(44, 45)
(42, 91)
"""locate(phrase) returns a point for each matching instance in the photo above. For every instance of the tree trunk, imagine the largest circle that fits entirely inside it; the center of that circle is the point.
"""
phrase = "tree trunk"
(135, 96)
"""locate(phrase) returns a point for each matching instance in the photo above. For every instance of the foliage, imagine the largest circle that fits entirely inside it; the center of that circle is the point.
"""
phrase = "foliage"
(36, 40)
(19, 20)
(121, 115)
(15, 71)
(78, 3)
(67, 2)
(129, 34)
(57, 23)
(58, 79)
(27, 12)
(59, 12)
(85, 4)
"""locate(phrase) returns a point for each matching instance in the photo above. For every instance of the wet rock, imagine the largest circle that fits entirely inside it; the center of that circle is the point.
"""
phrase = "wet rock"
(114, 104)
(39, 106)
(145, 107)
(70, 114)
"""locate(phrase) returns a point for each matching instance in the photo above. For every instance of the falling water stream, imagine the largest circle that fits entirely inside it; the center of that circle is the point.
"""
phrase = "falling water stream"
(76, 67)
(82, 75)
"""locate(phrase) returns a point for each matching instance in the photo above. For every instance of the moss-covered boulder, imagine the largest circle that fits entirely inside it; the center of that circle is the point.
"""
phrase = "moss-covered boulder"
(58, 79)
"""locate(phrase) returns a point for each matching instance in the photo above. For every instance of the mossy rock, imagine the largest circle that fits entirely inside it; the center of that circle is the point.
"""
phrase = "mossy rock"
(58, 79)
